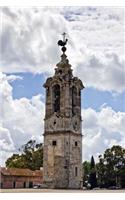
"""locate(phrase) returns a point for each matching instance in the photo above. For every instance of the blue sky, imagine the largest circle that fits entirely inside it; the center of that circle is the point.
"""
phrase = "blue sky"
(32, 85)
(30, 53)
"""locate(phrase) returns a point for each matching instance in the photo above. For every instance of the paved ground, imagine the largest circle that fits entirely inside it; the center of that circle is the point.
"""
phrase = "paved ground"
(58, 191)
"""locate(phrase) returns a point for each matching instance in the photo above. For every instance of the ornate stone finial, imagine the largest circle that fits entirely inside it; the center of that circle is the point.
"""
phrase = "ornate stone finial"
(63, 42)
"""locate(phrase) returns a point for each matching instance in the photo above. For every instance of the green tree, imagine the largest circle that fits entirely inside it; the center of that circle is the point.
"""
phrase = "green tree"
(111, 167)
(92, 175)
(101, 169)
(31, 156)
(86, 172)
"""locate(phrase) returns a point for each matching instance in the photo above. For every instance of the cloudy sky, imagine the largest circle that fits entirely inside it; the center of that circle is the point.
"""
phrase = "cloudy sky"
(29, 53)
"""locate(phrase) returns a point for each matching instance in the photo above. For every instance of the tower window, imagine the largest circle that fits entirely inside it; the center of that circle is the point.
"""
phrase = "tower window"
(76, 143)
(76, 171)
(54, 123)
(74, 100)
(54, 143)
(56, 98)
(66, 164)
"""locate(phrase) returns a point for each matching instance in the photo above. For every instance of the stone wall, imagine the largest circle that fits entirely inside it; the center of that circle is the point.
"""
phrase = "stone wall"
(61, 159)
(19, 182)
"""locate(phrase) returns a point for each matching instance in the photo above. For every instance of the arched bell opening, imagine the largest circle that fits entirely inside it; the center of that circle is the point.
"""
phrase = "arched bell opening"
(74, 100)
(56, 98)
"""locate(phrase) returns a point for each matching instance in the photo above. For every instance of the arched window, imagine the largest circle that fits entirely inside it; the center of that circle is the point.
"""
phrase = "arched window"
(56, 98)
(76, 171)
(74, 99)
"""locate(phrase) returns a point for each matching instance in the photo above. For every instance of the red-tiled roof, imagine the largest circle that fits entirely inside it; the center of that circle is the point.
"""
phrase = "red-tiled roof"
(20, 172)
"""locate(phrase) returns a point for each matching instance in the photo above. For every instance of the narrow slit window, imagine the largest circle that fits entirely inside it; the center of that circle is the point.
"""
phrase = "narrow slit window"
(76, 171)
(76, 143)
(54, 143)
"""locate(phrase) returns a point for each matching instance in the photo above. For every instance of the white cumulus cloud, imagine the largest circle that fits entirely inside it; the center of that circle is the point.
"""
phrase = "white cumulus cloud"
(95, 49)
(105, 74)
(20, 119)
(101, 130)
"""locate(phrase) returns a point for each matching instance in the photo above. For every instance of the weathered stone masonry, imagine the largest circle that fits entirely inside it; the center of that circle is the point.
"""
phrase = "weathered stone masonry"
(62, 163)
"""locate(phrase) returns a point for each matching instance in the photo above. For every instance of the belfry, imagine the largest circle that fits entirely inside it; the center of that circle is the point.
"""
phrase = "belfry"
(62, 156)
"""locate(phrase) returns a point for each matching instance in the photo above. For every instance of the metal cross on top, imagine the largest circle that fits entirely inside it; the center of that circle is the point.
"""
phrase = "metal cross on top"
(64, 37)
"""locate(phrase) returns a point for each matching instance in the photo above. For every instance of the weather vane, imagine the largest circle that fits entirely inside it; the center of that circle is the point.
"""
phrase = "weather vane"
(63, 42)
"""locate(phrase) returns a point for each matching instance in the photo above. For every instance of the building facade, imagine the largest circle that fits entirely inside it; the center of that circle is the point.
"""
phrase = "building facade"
(20, 178)
(62, 160)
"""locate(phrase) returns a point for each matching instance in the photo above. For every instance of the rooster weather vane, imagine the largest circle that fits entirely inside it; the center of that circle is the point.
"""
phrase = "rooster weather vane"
(63, 42)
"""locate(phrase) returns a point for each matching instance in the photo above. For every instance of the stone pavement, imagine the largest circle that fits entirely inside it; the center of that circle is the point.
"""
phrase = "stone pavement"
(59, 191)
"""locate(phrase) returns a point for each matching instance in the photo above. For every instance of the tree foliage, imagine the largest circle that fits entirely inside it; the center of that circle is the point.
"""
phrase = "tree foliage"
(89, 173)
(31, 156)
(109, 171)
(111, 167)
(92, 175)
(86, 172)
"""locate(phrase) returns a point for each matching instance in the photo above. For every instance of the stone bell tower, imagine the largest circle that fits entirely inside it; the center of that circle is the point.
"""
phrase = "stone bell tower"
(62, 158)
